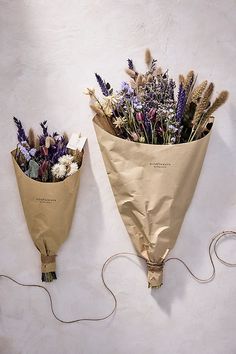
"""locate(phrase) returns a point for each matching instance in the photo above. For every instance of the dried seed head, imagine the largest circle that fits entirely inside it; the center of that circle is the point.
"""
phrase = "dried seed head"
(36, 142)
(139, 80)
(158, 71)
(130, 72)
(47, 142)
(219, 101)
(181, 79)
(189, 79)
(197, 92)
(66, 137)
(31, 138)
(203, 103)
(148, 57)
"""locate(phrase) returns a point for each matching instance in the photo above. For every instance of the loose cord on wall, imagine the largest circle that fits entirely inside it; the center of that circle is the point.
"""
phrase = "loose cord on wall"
(212, 250)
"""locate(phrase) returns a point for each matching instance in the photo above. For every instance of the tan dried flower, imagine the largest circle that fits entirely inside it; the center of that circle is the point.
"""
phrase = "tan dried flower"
(203, 103)
(119, 122)
(31, 138)
(219, 101)
(189, 79)
(130, 72)
(197, 92)
(148, 57)
(36, 142)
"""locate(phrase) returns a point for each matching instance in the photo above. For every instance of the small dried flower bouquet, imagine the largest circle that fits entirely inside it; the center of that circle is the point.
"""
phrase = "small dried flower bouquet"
(47, 173)
(153, 143)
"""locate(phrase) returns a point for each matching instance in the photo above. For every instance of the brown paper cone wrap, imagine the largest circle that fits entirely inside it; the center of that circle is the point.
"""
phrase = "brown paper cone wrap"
(48, 209)
(153, 186)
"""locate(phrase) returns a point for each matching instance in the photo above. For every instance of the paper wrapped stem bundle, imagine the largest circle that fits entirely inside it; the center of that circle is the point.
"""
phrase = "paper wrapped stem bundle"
(49, 209)
(153, 186)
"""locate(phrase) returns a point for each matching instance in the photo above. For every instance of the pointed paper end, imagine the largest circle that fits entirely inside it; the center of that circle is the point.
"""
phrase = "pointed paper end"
(155, 275)
(48, 267)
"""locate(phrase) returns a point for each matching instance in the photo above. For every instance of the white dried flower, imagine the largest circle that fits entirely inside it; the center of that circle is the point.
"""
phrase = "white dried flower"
(65, 159)
(58, 171)
(72, 168)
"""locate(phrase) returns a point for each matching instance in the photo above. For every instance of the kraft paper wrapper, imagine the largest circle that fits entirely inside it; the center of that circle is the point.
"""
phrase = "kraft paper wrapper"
(48, 209)
(153, 186)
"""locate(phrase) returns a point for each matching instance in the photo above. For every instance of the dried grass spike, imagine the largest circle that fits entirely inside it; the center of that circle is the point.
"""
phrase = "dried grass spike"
(66, 137)
(139, 80)
(219, 101)
(36, 143)
(47, 142)
(131, 73)
(189, 79)
(158, 71)
(197, 92)
(148, 57)
(203, 103)
(181, 79)
(31, 138)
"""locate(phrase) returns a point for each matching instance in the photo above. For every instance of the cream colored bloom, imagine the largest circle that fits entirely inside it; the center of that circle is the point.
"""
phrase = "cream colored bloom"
(119, 122)
(65, 159)
(58, 171)
(89, 92)
(72, 168)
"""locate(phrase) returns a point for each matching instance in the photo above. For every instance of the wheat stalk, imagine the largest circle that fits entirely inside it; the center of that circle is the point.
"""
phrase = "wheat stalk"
(197, 92)
(203, 103)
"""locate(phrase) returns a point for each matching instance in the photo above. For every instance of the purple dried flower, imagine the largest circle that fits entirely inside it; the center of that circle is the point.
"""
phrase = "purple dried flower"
(20, 131)
(139, 117)
(102, 84)
(24, 152)
(130, 64)
(44, 127)
(126, 88)
(181, 104)
(136, 103)
(152, 113)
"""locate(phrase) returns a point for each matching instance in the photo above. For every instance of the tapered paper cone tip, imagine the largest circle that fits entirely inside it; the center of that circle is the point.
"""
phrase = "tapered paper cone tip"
(155, 278)
(48, 264)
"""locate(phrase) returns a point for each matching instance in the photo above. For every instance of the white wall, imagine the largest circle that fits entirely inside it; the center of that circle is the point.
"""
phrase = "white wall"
(49, 51)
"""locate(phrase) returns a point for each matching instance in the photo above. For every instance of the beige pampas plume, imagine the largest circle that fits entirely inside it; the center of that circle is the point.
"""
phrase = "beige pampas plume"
(149, 78)
(181, 79)
(148, 57)
(157, 71)
(130, 72)
(66, 137)
(36, 142)
(139, 80)
(203, 103)
(31, 138)
(197, 92)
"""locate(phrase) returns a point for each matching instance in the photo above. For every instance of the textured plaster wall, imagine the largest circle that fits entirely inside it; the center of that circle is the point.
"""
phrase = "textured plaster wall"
(49, 51)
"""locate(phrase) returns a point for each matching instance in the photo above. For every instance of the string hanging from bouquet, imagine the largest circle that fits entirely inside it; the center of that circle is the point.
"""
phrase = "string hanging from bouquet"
(212, 250)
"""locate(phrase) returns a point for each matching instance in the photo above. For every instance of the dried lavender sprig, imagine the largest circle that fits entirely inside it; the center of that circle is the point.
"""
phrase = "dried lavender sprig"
(20, 131)
(102, 84)
(130, 64)
(44, 127)
(181, 104)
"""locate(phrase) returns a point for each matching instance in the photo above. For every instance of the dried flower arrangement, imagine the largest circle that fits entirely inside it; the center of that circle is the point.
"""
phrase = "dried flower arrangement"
(153, 144)
(40, 160)
(46, 157)
(147, 111)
